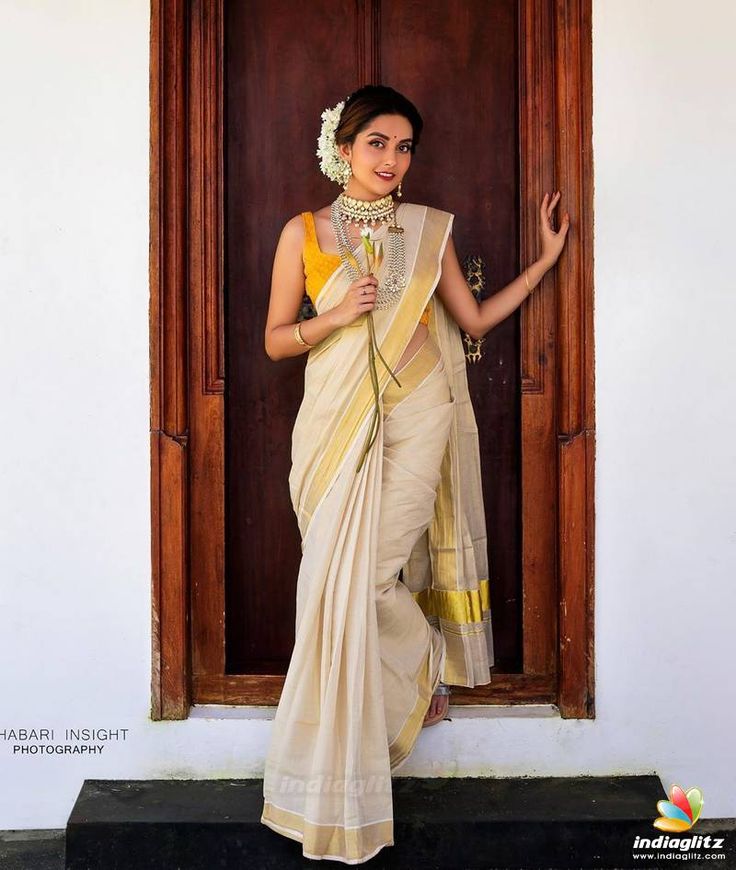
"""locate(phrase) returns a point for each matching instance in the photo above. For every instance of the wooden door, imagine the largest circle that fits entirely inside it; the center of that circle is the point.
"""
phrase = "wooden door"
(466, 163)
(257, 75)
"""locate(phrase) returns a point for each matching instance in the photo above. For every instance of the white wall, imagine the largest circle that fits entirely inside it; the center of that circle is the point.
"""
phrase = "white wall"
(75, 556)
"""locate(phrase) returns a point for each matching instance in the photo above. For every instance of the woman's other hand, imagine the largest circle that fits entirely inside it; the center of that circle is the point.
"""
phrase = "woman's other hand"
(552, 241)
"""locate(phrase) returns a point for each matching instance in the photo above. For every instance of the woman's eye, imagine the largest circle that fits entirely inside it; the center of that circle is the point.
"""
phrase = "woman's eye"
(403, 148)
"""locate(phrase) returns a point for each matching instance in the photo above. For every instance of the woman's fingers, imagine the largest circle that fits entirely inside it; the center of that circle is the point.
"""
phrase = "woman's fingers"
(552, 204)
(547, 208)
(366, 293)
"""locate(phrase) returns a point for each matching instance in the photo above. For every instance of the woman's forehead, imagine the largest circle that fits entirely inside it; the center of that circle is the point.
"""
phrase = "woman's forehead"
(393, 126)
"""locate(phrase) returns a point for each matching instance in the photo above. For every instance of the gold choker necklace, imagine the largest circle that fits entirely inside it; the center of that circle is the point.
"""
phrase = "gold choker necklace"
(366, 211)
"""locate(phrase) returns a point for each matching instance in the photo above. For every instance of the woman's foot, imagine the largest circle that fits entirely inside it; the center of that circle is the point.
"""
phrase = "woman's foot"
(438, 706)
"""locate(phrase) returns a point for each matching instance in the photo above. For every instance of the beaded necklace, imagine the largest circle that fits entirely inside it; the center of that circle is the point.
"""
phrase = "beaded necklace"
(345, 209)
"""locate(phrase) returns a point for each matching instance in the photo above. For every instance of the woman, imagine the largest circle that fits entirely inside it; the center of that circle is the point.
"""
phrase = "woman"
(385, 480)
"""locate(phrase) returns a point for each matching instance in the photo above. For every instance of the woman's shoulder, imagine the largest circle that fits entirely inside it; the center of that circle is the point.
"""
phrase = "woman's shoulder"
(303, 226)
(297, 220)
(296, 225)
(293, 232)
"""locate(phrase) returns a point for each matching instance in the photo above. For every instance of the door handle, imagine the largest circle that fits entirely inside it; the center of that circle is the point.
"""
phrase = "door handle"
(474, 268)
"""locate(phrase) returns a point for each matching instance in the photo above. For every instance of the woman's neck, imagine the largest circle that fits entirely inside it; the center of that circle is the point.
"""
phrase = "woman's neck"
(361, 193)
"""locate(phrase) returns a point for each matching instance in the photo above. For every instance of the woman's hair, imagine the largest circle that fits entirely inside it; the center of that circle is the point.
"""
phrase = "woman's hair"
(370, 101)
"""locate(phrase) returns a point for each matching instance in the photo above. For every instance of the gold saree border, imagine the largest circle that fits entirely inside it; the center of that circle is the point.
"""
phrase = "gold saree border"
(351, 845)
(406, 739)
(417, 369)
(443, 528)
(402, 745)
(434, 231)
(461, 606)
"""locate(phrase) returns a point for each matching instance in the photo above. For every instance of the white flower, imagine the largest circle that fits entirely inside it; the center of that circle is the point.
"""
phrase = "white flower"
(366, 231)
(331, 163)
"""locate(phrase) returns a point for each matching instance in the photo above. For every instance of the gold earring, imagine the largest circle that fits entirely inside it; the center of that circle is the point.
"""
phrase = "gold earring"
(398, 190)
(348, 175)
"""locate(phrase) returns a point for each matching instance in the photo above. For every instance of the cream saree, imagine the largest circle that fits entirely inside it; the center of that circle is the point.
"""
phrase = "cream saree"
(364, 667)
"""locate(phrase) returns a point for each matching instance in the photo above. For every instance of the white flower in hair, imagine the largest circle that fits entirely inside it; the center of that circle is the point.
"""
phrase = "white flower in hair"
(330, 161)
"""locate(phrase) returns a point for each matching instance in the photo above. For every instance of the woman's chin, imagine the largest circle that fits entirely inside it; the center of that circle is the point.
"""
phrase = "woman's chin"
(379, 190)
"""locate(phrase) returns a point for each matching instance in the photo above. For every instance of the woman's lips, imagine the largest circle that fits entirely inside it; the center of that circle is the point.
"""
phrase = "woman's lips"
(387, 177)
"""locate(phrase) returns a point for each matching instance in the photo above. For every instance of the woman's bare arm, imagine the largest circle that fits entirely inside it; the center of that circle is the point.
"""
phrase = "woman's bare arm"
(287, 292)
(477, 319)
(471, 317)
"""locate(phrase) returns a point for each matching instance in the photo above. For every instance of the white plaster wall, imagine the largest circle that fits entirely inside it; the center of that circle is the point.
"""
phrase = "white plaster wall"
(75, 539)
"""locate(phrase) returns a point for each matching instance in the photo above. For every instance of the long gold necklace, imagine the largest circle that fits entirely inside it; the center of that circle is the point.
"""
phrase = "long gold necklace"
(345, 209)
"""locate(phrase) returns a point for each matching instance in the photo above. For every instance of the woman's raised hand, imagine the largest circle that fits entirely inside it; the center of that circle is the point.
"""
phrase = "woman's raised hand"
(552, 242)
(359, 298)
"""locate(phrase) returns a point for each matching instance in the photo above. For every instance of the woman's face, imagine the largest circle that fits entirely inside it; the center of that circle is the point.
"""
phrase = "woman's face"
(383, 146)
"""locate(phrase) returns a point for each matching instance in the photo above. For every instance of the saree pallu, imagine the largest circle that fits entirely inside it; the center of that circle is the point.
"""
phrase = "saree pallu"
(370, 648)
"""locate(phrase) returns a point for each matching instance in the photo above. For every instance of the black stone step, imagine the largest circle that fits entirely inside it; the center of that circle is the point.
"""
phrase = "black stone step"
(547, 822)
(40, 849)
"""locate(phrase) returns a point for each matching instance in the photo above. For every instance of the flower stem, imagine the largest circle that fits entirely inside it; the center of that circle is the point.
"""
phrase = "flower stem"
(373, 429)
(372, 331)
(373, 349)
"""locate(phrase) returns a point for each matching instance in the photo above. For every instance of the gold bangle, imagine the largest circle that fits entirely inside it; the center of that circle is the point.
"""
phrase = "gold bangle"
(298, 336)
(526, 278)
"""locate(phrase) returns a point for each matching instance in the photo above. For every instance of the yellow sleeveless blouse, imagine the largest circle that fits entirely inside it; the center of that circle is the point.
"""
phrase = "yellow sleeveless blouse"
(318, 266)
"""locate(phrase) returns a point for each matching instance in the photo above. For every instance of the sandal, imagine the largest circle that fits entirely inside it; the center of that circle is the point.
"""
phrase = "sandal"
(442, 689)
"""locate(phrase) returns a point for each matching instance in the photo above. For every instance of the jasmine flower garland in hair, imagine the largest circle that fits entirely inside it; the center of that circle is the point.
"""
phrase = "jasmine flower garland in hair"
(330, 161)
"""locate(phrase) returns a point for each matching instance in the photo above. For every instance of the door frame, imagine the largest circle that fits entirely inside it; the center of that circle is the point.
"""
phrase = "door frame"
(187, 310)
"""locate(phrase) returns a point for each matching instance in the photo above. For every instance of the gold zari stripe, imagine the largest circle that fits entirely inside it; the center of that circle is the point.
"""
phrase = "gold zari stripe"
(329, 841)
(460, 606)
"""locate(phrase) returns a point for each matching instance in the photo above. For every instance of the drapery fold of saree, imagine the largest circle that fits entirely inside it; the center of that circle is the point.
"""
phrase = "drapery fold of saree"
(327, 780)
(448, 568)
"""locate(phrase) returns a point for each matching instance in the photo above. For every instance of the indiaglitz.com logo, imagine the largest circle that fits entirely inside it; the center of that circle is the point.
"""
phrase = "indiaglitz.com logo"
(681, 811)
(678, 814)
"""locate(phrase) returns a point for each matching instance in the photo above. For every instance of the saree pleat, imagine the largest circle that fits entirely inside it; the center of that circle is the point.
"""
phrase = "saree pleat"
(417, 419)
(369, 650)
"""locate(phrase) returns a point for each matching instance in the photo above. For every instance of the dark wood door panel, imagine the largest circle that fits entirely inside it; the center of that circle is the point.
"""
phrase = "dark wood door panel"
(276, 84)
(467, 162)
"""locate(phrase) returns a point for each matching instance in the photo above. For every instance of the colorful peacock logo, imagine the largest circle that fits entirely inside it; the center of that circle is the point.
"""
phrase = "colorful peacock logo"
(681, 811)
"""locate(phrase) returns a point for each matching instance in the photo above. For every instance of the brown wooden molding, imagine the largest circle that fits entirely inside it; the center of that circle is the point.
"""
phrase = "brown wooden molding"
(575, 411)
(206, 268)
(206, 338)
(538, 346)
(536, 101)
(265, 689)
(557, 342)
(170, 626)
(168, 356)
(368, 34)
